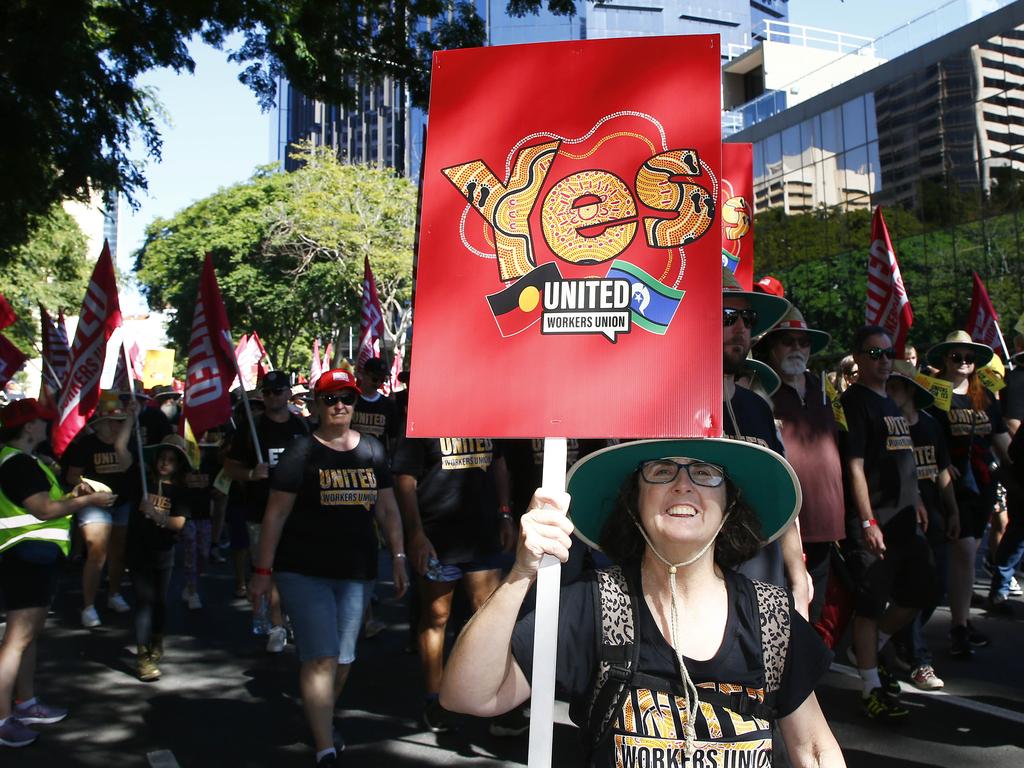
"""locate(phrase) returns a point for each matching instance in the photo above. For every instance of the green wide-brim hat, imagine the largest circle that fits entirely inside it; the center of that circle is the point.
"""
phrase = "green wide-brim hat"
(982, 352)
(175, 442)
(764, 374)
(923, 398)
(766, 480)
(770, 309)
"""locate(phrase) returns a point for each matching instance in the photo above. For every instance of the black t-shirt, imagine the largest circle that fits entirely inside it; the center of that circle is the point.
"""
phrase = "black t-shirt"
(330, 531)
(274, 438)
(148, 542)
(931, 457)
(378, 418)
(154, 425)
(756, 424)
(98, 460)
(1011, 399)
(199, 483)
(878, 433)
(21, 477)
(969, 435)
(650, 718)
(525, 460)
(456, 504)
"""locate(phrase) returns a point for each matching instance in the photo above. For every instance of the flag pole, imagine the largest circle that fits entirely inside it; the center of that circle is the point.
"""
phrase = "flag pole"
(46, 362)
(545, 634)
(138, 431)
(1002, 343)
(245, 402)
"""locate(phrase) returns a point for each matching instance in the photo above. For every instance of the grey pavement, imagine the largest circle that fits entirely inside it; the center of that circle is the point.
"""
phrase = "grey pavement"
(223, 701)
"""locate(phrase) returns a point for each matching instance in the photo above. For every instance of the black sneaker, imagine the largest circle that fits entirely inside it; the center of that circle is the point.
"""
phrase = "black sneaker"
(437, 719)
(330, 760)
(999, 606)
(976, 638)
(890, 685)
(513, 723)
(878, 706)
(960, 644)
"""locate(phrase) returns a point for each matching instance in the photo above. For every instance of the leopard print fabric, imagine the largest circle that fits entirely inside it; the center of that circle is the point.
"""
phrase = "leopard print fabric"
(616, 625)
(773, 607)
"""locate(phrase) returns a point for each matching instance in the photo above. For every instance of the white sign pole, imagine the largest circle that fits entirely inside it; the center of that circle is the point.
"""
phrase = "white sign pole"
(545, 634)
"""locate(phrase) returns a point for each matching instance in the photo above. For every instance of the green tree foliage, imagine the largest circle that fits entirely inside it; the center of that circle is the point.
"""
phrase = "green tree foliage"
(821, 258)
(51, 269)
(288, 250)
(69, 68)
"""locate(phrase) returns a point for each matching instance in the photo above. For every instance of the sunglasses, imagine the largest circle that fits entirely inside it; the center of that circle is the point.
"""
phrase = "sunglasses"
(875, 353)
(661, 471)
(730, 316)
(966, 357)
(796, 341)
(348, 397)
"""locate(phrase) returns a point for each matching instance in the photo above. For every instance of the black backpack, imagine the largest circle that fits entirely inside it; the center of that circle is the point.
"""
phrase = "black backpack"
(618, 653)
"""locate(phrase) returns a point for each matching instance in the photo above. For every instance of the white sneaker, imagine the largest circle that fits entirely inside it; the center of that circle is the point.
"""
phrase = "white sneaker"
(90, 618)
(194, 603)
(1015, 590)
(277, 639)
(118, 604)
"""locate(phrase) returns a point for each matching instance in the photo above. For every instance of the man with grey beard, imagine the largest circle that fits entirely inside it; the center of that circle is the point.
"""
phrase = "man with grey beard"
(810, 434)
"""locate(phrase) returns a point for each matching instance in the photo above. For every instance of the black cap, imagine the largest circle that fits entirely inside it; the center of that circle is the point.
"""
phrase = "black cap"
(276, 380)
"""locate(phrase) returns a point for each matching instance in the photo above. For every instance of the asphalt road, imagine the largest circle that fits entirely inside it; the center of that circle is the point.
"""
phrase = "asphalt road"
(223, 701)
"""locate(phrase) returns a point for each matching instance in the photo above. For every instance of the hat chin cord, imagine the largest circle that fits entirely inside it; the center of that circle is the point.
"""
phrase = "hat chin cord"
(690, 690)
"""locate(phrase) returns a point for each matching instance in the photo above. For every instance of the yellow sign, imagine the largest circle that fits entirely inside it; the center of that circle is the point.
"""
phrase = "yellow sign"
(158, 368)
(941, 390)
(991, 380)
(837, 406)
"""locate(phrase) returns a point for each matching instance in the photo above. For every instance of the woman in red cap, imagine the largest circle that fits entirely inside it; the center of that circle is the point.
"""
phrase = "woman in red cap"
(318, 537)
(34, 534)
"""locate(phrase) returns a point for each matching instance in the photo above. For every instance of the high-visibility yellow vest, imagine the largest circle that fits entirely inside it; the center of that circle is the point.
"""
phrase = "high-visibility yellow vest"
(18, 525)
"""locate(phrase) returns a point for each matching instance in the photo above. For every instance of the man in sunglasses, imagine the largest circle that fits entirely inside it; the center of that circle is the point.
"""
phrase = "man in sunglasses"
(275, 429)
(375, 414)
(747, 315)
(883, 511)
(810, 434)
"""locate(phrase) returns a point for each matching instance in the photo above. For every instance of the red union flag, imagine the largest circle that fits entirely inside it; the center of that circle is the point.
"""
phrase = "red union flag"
(211, 365)
(315, 365)
(99, 316)
(7, 314)
(56, 353)
(982, 320)
(570, 244)
(737, 199)
(371, 321)
(887, 305)
(11, 360)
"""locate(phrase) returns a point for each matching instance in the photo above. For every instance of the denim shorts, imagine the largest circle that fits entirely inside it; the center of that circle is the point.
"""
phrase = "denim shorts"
(116, 515)
(326, 614)
(449, 572)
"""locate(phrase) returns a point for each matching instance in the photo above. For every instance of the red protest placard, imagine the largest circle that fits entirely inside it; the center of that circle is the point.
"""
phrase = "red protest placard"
(737, 201)
(568, 276)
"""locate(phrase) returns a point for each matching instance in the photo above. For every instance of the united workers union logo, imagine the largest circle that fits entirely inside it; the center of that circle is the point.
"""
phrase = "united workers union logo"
(569, 249)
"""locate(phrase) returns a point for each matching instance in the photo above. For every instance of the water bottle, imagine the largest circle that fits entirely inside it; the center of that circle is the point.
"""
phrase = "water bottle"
(261, 616)
(435, 571)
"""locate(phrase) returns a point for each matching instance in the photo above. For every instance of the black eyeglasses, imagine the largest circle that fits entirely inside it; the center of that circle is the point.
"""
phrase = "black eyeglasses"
(731, 315)
(347, 397)
(966, 357)
(875, 353)
(661, 471)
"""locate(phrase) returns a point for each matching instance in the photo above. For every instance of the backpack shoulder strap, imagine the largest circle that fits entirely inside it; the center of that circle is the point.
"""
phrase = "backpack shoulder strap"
(616, 651)
(773, 609)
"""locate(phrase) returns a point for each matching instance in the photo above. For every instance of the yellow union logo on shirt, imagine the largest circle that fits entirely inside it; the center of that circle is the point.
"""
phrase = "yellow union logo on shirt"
(466, 452)
(348, 487)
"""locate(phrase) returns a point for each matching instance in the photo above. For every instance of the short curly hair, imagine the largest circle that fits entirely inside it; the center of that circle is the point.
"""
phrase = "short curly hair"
(738, 541)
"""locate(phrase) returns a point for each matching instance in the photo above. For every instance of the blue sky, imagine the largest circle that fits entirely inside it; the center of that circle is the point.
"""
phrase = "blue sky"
(218, 135)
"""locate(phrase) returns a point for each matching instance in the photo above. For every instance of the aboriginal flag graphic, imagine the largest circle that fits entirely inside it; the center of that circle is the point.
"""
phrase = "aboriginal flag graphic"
(519, 306)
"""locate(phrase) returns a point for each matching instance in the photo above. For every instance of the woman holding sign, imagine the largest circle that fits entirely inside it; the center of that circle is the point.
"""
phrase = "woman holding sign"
(977, 440)
(670, 652)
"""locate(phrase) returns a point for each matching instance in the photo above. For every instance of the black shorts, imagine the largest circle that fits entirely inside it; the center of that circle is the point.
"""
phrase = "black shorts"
(905, 575)
(975, 510)
(27, 584)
